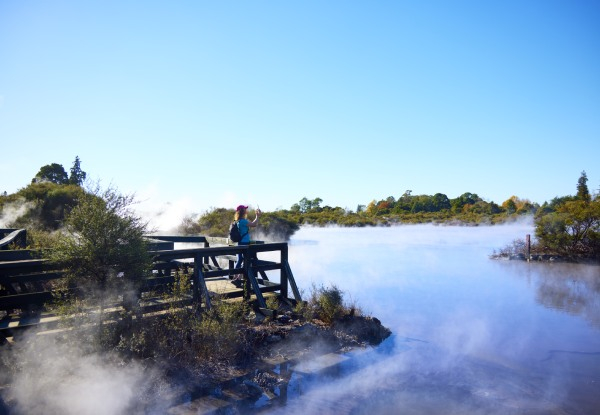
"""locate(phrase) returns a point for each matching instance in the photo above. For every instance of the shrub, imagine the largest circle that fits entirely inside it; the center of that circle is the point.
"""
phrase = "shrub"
(325, 304)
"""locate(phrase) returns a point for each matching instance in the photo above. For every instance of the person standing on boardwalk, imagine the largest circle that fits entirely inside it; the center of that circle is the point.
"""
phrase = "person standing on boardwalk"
(241, 217)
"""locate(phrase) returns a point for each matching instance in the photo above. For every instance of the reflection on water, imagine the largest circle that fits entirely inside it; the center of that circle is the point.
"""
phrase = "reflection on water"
(571, 288)
(471, 335)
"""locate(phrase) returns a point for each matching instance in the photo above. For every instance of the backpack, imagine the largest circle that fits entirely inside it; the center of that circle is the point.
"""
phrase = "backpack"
(234, 232)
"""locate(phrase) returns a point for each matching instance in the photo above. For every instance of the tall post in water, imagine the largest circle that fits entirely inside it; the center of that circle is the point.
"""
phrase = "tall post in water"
(528, 246)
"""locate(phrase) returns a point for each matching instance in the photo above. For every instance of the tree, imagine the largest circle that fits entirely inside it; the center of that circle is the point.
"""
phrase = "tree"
(440, 202)
(422, 203)
(517, 205)
(77, 176)
(54, 173)
(404, 203)
(582, 190)
(573, 230)
(103, 248)
(372, 208)
(305, 205)
(465, 199)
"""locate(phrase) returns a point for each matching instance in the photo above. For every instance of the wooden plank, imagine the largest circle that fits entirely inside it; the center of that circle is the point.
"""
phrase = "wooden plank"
(219, 273)
(200, 283)
(156, 244)
(180, 238)
(15, 254)
(292, 281)
(222, 287)
(35, 277)
(9, 302)
(12, 323)
(216, 240)
(24, 266)
(254, 284)
(21, 263)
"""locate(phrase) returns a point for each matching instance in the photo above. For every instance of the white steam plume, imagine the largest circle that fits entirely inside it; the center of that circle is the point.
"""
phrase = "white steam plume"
(13, 211)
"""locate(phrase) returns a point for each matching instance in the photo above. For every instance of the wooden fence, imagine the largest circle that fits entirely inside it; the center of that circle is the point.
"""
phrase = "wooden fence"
(26, 282)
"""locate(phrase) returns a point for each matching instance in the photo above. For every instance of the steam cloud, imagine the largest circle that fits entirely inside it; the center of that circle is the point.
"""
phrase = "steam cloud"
(54, 378)
(13, 211)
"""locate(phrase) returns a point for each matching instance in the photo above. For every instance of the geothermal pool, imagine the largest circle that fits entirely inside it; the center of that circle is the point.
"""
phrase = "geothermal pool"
(470, 334)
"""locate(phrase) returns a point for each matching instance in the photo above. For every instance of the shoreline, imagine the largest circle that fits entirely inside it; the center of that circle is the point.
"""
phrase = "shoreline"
(286, 345)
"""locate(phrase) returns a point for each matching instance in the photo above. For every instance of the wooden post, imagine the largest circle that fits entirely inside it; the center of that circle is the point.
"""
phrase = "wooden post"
(200, 284)
(287, 276)
(284, 279)
(528, 246)
(249, 256)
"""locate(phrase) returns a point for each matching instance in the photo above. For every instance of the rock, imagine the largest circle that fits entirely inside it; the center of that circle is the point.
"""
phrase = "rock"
(253, 388)
(274, 339)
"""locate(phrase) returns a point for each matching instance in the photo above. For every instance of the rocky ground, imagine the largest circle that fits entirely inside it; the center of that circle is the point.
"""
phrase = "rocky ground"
(277, 341)
(271, 341)
(288, 338)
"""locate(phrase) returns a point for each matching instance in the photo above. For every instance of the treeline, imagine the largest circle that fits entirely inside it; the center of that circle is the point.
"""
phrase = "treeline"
(409, 208)
(468, 208)
(568, 226)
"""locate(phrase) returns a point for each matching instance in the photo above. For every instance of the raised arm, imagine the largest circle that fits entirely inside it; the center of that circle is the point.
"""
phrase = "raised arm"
(254, 223)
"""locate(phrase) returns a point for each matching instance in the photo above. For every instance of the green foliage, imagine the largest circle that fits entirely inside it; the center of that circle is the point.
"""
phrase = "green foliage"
(192, 339)
(272, 302)
(274, 226)
(326, 304)
(305, 205)
(77, 175)
(582, 190)
(573, 230)
(45, 205)
(570, 226)
(103, 247)
(54, 173)
(214, 222)
(40, 240)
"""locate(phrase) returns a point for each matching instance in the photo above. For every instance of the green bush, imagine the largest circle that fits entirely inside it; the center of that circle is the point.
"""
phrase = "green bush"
(46, 204)
(325, 304)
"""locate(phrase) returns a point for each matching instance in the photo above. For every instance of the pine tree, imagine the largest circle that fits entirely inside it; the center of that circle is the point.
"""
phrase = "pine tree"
(582, 190)
(77, 175)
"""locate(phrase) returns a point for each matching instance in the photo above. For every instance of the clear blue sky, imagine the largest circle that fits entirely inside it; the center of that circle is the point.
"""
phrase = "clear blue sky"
(214, 103)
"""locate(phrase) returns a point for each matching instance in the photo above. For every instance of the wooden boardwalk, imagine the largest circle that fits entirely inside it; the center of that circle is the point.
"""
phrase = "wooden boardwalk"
(26, 281)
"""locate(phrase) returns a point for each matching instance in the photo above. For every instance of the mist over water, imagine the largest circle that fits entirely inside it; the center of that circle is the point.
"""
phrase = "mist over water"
(471, 334)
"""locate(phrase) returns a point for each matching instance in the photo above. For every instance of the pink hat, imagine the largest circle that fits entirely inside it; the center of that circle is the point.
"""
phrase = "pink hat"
(241, 207)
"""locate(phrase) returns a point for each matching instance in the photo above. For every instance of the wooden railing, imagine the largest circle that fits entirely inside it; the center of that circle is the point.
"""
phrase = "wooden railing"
(16, 237)
(26, 281)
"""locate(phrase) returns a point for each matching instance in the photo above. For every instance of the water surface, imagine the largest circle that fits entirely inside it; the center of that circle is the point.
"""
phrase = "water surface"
(470, 334)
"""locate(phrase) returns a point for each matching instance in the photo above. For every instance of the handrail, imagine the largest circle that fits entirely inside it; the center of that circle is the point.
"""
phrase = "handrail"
(25, 272)
(201, 256)
(17, 236)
